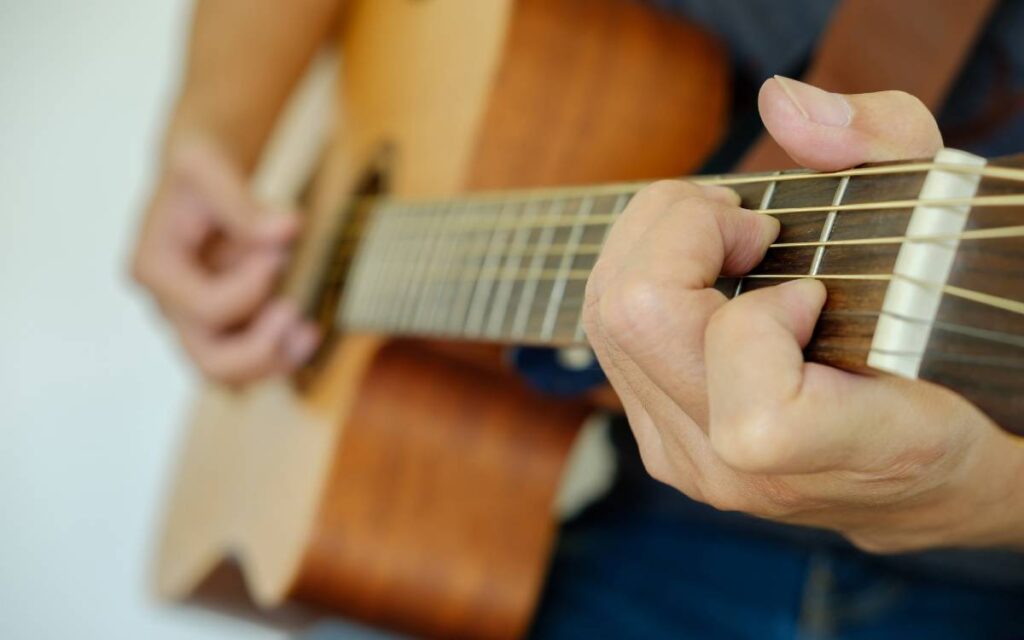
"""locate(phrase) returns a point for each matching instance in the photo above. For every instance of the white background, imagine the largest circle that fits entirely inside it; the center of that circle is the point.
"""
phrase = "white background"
(91, 392)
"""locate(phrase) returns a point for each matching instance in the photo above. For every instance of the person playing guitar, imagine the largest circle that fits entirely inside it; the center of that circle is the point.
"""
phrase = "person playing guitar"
(723, 406)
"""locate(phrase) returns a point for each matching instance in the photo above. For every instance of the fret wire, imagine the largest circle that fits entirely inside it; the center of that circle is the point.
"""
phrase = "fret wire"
(407, 273)
(431, 293)
(991, 233)
(418, 265)
(823, 345)
(355, 305)
(984, 335)
(620, 205)
(878, 207)
(452, 323)
(766, 201)
(948, 356)
(976, 296)
(565, 265)
(484, 286)
(972, 234)
(384, 270)
(442, 307)
(459, 309)
(513, 261)
(429, 289)
(530, 284)
(1013, 174)
(830, 222)
(406, 301)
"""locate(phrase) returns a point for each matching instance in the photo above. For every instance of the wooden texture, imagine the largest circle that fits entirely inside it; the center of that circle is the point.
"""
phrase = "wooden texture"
(400, 483)
(599, 91)
(438, 515)
(524, 256)
(974, 349)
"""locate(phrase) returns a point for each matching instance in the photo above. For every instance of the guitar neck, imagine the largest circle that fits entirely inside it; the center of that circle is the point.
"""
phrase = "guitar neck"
(921, 261)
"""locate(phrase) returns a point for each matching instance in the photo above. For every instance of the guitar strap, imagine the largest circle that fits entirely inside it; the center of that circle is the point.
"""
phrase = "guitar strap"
(917, 46)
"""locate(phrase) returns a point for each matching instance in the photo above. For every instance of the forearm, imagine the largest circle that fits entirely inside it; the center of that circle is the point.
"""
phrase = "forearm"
(244, 58)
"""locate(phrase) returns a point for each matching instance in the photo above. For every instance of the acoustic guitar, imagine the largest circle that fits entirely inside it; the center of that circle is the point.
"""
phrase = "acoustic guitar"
(407, 478)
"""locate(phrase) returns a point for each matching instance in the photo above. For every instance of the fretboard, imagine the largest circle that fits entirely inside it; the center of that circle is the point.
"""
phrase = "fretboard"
(513, 267)
(509, 269)
(922, 262)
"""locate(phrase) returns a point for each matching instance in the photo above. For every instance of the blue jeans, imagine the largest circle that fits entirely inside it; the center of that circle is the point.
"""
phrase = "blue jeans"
(645, 578)
(646, 562)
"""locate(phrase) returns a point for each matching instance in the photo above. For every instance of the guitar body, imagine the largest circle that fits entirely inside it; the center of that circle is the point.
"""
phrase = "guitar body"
(403, 483)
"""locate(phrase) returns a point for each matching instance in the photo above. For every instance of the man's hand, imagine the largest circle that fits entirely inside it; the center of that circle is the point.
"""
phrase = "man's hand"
(211, 256)
(719, 397)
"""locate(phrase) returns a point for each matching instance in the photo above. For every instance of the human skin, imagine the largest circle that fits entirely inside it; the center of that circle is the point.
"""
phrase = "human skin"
(723, 406)
(717, 391)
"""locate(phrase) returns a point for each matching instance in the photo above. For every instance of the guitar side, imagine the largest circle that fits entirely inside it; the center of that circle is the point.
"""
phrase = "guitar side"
(403, 485)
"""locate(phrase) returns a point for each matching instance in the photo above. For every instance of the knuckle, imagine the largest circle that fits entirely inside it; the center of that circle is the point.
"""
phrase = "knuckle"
(922, 126)
(752, 443)
(631, 310)
(906, 100)
(729, 322)
(696, 205)
(664, 192)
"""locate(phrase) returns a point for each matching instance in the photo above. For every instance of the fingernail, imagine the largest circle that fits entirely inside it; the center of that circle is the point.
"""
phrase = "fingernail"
(770, 225)
(805, 290)
(817, 105)
(301, 343)
(722, 194)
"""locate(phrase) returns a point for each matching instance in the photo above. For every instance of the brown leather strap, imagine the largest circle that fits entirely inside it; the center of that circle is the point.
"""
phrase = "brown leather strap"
(917, 46)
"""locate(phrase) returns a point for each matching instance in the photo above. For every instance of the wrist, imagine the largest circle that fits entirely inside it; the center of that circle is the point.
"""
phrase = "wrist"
(193, 126)
(1000, 491)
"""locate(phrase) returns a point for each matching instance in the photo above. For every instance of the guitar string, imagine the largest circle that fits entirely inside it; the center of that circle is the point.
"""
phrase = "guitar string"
(1012, 174)
(498, 274)
(936, 354)
(823, 345)
(382, 203)
(994, 172)
(1002, 338)
(987, 335)
(1005, 304)
(885, 206)
(989, 233)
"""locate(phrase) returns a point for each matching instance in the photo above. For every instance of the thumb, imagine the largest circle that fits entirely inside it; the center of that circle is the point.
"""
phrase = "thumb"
(830, 131)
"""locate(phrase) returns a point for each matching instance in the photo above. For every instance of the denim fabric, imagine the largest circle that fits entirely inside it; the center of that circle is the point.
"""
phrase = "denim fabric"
(646, 562)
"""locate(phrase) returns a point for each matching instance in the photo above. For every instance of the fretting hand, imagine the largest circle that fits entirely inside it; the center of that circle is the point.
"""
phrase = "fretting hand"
(211, 256)
(722, 404)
